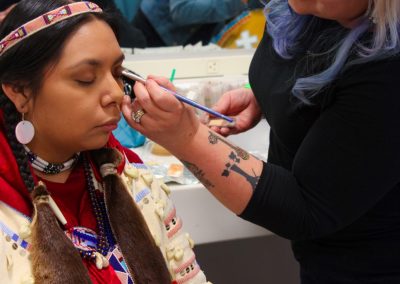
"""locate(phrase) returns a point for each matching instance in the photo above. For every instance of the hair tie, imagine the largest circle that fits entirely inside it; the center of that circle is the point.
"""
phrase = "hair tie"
(108, 169)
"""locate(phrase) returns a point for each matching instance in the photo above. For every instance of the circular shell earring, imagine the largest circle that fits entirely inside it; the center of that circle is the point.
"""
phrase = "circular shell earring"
(24, 131)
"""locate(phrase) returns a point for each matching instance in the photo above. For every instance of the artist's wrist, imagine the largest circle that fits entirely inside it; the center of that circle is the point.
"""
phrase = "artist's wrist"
(187, 146)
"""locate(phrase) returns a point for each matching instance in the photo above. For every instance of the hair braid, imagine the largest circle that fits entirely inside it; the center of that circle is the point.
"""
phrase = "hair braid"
(11, 119)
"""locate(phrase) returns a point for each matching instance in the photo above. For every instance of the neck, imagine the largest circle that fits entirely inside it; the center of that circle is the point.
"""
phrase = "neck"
(349, 24)
(51, 154)
(352, 22)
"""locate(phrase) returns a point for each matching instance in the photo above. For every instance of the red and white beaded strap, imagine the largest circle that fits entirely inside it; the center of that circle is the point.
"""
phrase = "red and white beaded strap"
(45, 21)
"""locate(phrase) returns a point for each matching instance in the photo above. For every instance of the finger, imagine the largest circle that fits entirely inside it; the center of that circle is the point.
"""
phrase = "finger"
(215, 129)
(144, 98)
(162, 98)
(145, 123)
(225, 131)
(162, 81)
(127, 110)
(205, 118)
(223, 104)
(233, 102)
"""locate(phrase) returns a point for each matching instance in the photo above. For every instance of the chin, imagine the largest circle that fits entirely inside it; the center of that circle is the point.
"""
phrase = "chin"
(97, 143)
(298, 7)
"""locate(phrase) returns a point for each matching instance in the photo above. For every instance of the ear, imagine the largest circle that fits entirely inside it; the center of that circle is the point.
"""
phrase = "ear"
(17, 95)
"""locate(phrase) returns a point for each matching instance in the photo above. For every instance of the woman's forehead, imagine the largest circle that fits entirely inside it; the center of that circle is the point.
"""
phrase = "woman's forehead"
(94, 40)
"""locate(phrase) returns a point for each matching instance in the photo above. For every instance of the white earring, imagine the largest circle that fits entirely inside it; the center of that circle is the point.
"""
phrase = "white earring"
(24, 131)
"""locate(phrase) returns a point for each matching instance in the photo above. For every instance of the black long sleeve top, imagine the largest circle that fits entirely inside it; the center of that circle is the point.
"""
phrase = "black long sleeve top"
(332, 180)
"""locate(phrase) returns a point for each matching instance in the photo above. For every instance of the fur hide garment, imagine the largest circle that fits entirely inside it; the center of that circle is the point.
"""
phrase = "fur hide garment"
(54, 257)
(143, 257)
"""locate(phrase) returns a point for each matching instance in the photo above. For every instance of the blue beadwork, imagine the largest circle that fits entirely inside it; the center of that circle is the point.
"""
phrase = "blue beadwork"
(105, 236)
(13, 236)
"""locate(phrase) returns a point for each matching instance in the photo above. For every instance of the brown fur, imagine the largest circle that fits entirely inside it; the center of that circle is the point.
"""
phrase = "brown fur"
(54, 258)
(143, 257)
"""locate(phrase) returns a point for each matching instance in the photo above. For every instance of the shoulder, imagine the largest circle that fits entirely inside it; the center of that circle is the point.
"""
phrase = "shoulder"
(375, 83)
(368, 92)
(378, 80)
(385, 71)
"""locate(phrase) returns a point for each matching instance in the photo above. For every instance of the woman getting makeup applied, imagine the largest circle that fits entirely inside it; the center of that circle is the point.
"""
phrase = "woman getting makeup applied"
(325, 76)
(75, 206)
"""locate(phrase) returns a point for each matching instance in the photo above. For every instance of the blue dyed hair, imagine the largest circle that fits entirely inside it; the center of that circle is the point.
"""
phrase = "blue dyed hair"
(286, 28)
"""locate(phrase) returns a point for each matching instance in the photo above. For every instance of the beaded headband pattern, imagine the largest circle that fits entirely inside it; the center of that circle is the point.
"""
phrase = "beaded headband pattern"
(45, 21)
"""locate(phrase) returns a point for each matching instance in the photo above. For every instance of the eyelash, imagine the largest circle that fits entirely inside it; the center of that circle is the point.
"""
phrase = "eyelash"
(118, 76)
(85, 83)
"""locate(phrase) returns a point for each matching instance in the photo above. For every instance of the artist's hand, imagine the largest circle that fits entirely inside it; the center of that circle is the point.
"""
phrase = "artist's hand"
(241, 105)
(167, 121)
(4, 13)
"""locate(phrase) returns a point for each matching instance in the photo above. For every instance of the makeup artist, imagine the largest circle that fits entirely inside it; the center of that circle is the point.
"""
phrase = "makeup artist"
(325, 77)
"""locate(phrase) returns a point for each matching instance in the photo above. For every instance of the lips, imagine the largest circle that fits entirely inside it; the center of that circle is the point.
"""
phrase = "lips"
(110, 125)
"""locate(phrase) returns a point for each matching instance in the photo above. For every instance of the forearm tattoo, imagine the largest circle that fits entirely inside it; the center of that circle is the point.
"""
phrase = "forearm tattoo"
(232, 166)
(234, 160)
(213, 139)
(198, 173)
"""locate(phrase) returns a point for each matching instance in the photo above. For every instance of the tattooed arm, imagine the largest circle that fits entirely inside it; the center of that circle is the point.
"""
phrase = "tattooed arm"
(227, 171)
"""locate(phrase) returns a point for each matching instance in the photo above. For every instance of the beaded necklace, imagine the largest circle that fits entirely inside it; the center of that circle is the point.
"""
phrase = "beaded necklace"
(105, 238)
(49, 168)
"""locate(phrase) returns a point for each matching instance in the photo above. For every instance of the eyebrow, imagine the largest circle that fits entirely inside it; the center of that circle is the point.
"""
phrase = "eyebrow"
(95, 62)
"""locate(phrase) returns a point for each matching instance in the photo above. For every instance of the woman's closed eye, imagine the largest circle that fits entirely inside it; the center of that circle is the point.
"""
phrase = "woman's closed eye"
(85, 82)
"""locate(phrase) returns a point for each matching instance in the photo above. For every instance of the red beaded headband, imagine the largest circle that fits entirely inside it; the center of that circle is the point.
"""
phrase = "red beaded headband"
(45, 21)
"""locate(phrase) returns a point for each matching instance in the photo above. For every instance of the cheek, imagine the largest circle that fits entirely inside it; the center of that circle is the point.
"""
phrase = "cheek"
(330, 9)
(343, 9)
(302, 7)
(60, 118)
(295, 5)
(70, 118)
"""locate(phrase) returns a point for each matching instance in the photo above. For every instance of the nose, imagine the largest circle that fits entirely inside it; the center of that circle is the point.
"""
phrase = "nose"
(114, 93)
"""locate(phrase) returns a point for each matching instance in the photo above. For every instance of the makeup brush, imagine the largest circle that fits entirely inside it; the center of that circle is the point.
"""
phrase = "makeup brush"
(133, 76)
